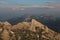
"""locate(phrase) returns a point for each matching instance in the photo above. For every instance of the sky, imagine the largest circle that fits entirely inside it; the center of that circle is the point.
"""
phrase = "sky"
(16, 4)
(28, 1)
(9, 7)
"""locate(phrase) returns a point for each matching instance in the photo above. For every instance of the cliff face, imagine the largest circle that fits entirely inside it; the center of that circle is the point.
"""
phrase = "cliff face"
(34, 26)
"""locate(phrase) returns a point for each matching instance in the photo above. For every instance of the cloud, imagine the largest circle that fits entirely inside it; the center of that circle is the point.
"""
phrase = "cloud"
(16, 6)
(3, 2)
(9, 3)
(34, 6)
(56, 5)
(23, 7)
(28, 6)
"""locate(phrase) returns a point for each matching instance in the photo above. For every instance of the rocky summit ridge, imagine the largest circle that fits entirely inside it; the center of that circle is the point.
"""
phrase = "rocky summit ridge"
(42, 32)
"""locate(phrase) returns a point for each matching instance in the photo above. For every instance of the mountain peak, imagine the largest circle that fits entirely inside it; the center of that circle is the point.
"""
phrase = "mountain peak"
(35, 23)
(33, 26)
(6, 23)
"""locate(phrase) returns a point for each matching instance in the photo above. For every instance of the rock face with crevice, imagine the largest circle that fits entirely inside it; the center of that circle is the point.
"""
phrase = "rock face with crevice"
(47, 33)
(16, 32)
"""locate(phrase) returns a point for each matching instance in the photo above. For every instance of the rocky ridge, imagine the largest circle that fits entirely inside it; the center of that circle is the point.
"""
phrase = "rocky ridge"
(34, 26)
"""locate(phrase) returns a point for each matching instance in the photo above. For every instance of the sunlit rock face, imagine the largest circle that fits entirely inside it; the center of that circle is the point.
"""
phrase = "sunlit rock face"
(1, 29)
(21, 25)
(1, 26)
(7, 25)
(6, 29)
(35, 24)
(5, 35)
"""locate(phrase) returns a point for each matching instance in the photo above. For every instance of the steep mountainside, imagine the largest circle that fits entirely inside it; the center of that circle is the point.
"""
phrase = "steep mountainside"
(31, 30)
(35, 25)
(49, 20)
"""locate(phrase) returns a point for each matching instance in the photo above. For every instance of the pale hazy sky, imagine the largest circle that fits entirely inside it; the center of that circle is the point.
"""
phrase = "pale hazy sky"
(20, 2)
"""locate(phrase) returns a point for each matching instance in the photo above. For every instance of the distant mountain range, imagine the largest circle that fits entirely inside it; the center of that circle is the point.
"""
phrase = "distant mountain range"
(8, 13)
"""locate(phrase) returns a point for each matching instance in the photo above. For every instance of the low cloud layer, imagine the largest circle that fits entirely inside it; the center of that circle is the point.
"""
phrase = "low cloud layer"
(3, 2)
(16, 6)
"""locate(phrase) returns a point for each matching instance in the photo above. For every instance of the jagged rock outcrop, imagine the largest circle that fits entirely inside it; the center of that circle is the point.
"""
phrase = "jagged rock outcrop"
(5, 35)
(5, 30)
(7, 25)
(21, 25)
(35, 24)
(46, 32)
(36, 27)
(1, 26)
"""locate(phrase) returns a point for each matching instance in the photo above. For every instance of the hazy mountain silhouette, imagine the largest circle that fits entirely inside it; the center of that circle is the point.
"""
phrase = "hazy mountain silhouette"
(7, 13)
